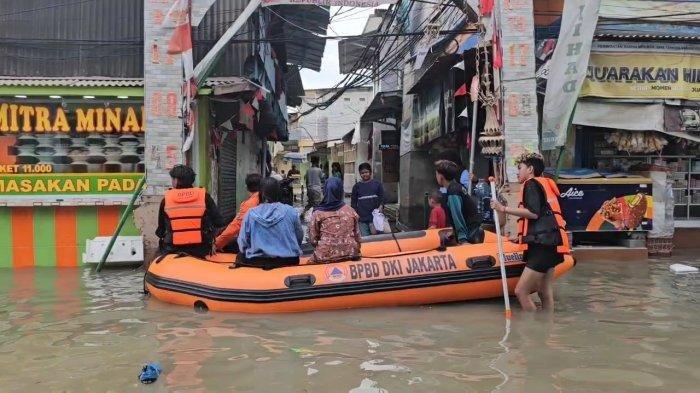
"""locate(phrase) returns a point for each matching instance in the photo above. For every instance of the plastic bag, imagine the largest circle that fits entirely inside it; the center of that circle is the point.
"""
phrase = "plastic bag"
(380, 222)
(307, 215)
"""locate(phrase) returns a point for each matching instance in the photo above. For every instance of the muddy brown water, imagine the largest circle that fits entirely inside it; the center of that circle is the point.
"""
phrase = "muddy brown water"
(618, 326)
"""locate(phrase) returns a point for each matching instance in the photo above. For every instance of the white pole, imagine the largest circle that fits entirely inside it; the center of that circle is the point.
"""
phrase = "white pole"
(201, 71)
(475, 107)
(501, 258)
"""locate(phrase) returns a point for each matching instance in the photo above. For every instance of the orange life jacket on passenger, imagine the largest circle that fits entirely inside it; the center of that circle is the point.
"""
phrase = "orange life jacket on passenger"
(185, 209)
(552, 203)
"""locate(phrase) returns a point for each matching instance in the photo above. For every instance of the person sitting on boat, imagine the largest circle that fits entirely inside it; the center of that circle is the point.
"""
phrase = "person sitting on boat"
(227, 241)
(333, 229)
(271, 234)
(438, 218)
(459, 207)
(541, 231)
(188, 216)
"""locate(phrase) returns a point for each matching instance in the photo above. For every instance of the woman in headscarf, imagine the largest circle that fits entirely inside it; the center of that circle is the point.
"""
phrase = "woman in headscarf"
(333, 229)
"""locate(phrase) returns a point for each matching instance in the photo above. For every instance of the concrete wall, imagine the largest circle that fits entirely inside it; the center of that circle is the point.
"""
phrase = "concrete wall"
(417, 173)
(336, 120)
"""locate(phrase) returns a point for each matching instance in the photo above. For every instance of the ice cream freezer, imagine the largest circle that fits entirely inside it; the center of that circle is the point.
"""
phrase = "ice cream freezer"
(605, 204)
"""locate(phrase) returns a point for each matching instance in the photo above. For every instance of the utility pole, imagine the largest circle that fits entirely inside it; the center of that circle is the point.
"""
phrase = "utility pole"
(518, 84)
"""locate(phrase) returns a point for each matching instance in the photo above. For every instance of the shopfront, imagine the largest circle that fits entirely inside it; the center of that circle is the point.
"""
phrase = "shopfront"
(68, 167)
(640, 115)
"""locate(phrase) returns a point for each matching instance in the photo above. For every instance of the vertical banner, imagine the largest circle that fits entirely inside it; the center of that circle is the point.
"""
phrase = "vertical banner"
(568, 69)
(517, 42)
(406, 144)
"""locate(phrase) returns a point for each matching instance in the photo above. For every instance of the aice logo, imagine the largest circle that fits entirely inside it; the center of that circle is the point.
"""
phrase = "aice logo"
(572, 192)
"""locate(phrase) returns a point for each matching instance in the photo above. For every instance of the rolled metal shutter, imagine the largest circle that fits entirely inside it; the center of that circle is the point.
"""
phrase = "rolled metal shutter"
(227, 177)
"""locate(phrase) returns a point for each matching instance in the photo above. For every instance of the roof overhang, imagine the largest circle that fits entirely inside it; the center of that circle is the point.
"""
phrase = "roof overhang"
(302, 28)
(387, 104)
(232, 85)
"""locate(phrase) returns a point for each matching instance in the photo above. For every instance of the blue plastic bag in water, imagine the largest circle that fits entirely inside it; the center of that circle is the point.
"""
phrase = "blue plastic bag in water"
(150, 373)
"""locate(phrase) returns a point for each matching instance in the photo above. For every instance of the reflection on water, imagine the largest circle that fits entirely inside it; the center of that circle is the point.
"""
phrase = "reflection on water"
(622, 326)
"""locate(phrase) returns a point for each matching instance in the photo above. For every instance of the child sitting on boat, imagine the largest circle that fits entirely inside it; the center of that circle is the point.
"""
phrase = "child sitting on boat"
(437, 219)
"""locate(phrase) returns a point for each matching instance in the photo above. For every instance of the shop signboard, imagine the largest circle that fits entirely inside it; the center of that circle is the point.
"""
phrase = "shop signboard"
(588, 205)
(426, 116)
(643, 75)
(65, 148)
(682, 119)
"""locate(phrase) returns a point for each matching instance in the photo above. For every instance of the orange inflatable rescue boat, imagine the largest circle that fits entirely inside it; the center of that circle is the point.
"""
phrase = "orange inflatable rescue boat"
(408, 268)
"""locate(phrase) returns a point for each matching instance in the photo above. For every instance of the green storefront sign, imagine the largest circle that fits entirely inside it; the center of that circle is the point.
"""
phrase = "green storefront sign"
(69, 184)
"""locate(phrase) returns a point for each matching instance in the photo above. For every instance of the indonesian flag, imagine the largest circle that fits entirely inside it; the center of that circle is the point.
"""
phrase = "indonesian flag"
(462, 91)
(179, 17)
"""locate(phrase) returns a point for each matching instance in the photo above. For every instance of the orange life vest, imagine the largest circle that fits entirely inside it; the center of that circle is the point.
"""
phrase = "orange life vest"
(552, 194)
(185, 209)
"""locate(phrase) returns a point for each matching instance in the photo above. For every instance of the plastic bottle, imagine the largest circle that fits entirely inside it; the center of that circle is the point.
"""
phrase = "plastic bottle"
(482, 193)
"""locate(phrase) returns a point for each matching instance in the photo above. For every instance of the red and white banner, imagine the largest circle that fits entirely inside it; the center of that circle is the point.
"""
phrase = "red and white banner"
(179, 17)
(337, 3)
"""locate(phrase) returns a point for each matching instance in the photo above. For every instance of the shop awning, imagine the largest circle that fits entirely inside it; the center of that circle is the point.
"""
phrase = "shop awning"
(626, 116)
(350, 50)
(233, 84)
(294, 156)
(384, 105)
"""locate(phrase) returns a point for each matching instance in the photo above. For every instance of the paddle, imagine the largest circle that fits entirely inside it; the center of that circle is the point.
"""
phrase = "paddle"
(501, 258)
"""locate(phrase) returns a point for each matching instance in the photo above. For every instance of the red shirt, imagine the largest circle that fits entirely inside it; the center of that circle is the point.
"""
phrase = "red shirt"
(437, 218)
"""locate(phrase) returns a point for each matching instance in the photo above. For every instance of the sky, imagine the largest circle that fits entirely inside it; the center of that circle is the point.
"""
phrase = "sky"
(347, 22)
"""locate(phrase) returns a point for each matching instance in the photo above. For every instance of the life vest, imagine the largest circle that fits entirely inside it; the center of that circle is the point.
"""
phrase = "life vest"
(185, 209)
(547, 228)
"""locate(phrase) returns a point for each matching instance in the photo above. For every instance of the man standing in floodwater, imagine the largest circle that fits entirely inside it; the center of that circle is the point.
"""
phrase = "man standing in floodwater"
(541, 231)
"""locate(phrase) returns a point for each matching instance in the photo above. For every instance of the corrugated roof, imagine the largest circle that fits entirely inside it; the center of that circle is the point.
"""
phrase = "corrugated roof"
(71, 82)
(650, 10)
(301, 26)
(62, 38)
(647, 30)
(608, 28)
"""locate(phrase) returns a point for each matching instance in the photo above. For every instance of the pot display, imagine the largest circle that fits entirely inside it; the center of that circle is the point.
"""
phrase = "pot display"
(112, 167)
(43, 150)
(93, 140)
(27, 159)
(130, 159)
(62, 159)
(27, 140)
(79, 167)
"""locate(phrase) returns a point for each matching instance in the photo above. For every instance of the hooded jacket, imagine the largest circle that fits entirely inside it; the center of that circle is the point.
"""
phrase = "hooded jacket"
(271, 230)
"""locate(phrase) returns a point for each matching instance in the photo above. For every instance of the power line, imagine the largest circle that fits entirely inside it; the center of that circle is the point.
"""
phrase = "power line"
(47, 7)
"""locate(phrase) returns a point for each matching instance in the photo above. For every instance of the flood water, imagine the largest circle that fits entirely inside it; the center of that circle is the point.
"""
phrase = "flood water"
(619, 326)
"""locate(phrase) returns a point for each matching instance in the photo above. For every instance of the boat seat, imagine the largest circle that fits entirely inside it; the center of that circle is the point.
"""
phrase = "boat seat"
(388, 244)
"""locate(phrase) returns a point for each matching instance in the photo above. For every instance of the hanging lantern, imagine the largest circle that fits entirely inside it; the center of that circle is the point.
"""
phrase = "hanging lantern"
(491, 140)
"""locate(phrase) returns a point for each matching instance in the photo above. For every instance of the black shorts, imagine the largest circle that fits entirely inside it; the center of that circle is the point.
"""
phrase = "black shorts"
(542, 258)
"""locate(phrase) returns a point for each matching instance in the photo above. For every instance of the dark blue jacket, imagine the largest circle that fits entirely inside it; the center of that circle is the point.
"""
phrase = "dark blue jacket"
(367, 196)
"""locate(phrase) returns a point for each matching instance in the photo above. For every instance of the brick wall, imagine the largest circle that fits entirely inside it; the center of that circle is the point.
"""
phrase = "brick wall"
(163, 80)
